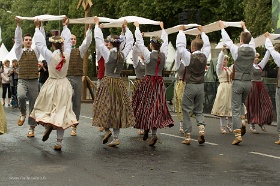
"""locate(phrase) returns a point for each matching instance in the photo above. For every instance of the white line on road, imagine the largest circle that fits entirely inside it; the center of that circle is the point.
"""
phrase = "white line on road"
(85, 117)
(184, 138)
(261, 154)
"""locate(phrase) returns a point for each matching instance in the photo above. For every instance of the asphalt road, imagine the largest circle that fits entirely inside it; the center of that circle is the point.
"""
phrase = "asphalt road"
(84, 160)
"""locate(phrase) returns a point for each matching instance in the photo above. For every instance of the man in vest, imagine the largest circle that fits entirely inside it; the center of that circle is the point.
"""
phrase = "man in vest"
(243, 57)
(193, 75)
(27, 75)
(75, 73)
(274, 51)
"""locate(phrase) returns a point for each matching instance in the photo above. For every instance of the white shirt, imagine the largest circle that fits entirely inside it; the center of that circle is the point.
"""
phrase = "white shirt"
(234, 48)
(104, 51)
(145, 51)
(86, 43)
(185, 55)
(40, 43)
(263, 61)
(19, 40)
(275, 55)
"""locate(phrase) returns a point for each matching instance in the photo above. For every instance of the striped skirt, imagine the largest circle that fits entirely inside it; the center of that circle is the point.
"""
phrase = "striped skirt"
(259, 105)
(149, 105)
(112, 106)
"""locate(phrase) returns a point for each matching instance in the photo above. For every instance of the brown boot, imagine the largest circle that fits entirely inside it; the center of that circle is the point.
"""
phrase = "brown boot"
(73, 130)
(107, 136)
(187, 141)
(243, 128)
(153, 140)
(30, 133)
(201, 138)
(238, 137)
(47, 133)
(21, 120)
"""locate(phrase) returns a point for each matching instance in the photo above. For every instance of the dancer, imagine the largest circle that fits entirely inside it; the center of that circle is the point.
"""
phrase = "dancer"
(243, 57)
(259, 105)
(149, 101)
(27, 75)
(275, 53)
(112, 105)
(195, 64)
(75, 73)
(222, 104)
(179, 90)
(139, 68)
(53, 107)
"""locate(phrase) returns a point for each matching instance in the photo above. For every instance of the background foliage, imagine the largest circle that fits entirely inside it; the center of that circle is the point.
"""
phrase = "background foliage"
(256, 14)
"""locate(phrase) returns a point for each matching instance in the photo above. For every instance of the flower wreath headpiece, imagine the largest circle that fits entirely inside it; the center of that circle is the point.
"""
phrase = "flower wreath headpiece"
(112, 40)
(55, 39)
(156, 39)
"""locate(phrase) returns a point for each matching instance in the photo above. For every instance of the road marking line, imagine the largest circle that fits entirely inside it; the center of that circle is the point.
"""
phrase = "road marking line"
(85, 117)
(261, 154)
(184, 138)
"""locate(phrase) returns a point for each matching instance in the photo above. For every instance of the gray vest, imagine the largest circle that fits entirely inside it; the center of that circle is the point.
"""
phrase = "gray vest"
(256, 74)
(243, 65)
(114, 66)
(140, 71)
(181, 71)
(196, 69)
(150, 68)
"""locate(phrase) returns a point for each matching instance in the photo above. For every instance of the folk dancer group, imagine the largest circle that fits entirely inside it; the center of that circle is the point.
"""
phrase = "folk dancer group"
(147, 111)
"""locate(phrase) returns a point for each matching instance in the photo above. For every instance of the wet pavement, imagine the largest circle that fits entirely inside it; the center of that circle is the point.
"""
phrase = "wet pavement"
(84, 160)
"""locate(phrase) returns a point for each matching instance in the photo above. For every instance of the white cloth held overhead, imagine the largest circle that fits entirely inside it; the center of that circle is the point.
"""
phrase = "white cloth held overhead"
(130, 19)
(169, 30)
(90, 20)
(260, 40)
(45, 17)
(212, 27)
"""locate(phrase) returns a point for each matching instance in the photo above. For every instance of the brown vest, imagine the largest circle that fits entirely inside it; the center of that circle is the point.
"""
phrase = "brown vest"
(75, 63)
(196, 69)
(28, 66)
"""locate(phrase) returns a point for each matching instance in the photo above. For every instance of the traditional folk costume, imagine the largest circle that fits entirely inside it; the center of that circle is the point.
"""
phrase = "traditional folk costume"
(222, 104)
(243, 57)
(276, 56)
(53, 107)
(179, 90)
(193, 95)
(75, 73)
(27, 78)
(112, 106)
(259, 105)
(149, 101)
(3, 121)
(139, 68)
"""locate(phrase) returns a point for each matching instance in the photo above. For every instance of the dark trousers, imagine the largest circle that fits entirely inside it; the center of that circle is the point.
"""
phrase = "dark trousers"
(6, 87)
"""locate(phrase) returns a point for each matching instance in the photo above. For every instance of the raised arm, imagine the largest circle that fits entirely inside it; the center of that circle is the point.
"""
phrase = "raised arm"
(129, 40)
(206, 49)
(219, 66)
(99, 41)
(140, 44)
(86, 43)
(164, 37)
(181, 52)
(268, 45)
(264, 60)
(40, 43)
(228, 42)
(18, 40)
(66, 34)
